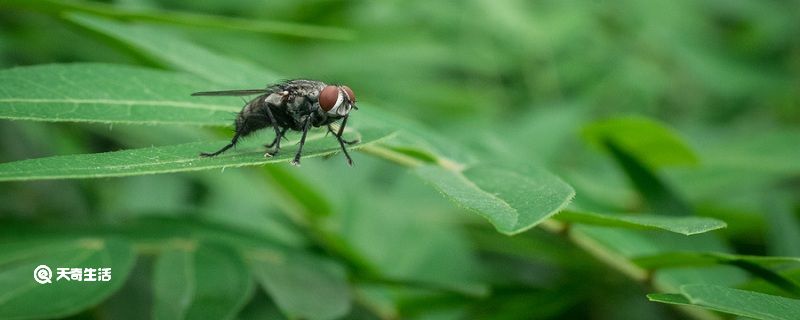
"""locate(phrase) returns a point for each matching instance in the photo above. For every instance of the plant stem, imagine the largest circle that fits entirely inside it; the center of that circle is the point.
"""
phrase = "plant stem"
(617, 262)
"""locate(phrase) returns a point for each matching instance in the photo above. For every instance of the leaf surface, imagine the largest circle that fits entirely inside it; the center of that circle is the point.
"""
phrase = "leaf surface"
(511, 201)
(175, 158)
(734, 301)
(682, 225)
(22, 297)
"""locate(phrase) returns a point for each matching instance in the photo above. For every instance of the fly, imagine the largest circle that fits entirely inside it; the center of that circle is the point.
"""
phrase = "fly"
(295, 105)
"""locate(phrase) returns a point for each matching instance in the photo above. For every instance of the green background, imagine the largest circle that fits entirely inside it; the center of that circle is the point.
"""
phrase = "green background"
(518, 160)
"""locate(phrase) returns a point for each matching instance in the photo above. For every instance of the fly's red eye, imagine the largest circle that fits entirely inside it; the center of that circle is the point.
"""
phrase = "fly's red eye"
(328, 97)
(350, 95)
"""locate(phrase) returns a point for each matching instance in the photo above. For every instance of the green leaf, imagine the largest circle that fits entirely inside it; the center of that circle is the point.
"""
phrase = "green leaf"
(660, 197)
(297, 194)
(153, 232)
(734, 301)
(22, 297)
(646, 139)
(783, 233)
(111, 94)
(763, 151)
(756, 265)
(698, 259)
(303, 286)
(199, 281)
(188, 19)
(511, 201)
(669, 298)
(415, 140)
(169, 48)
(176, 158)
(436, 257)
(682, 225)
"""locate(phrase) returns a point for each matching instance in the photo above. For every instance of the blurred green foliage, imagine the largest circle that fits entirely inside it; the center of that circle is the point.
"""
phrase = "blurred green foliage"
(679, 108)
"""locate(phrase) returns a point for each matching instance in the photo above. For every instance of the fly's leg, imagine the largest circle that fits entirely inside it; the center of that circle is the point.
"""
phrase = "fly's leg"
(341, 130)
(296, 160)
(225, 148)
(343, 141)
(278, 134)
(338, 137)
(277, 139)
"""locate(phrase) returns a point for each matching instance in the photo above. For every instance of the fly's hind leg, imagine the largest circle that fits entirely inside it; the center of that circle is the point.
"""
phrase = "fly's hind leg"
(225, 148)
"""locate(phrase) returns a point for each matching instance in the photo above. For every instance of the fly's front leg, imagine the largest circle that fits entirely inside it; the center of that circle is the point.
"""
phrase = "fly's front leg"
(342, 141)
(306, 126)
(341, 131)
(338, 137)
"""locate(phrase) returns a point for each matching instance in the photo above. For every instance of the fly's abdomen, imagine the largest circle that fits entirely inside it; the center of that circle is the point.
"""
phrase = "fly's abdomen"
(246, 124)
(253, 117)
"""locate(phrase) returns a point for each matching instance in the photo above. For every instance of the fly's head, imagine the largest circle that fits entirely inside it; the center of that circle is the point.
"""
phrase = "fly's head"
(337, 101)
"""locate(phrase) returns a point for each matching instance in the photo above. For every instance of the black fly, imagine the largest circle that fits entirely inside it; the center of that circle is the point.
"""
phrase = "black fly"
(295, 104)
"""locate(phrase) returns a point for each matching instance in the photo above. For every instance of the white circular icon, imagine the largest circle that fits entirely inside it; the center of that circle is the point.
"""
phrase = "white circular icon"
(42, 274)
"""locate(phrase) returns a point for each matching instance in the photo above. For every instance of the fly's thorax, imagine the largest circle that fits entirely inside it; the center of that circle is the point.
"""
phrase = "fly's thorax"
(274, 98)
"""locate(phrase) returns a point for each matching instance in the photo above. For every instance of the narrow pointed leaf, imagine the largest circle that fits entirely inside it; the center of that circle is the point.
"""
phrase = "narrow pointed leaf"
(734, 301)
(682, 225)
(654, 143)
(757, 266)
(175, 158)
(90, 92)
(303, 286)
(698, 259)
(660, 197)
(188, 19)
(783, 233)
(669, 298)
(171, 49)
(199, 281)
(230, 73)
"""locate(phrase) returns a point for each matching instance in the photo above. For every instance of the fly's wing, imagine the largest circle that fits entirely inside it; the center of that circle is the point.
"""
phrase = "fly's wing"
(245, 92)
